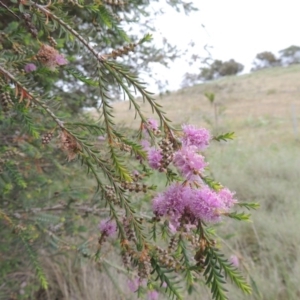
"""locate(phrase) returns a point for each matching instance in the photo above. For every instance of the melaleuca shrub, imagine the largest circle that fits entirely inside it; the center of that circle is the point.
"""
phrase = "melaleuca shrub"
(54, 63)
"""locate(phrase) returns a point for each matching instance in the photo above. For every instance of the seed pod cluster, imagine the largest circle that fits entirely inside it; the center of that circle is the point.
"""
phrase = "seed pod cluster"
(17, 48)
(126, 259)
(145, 265)
(47, 137)
(5, 101)
(52, 41)
(167, 260)
(136, 176)
(122, 51)
(2, 81)
(200, 255)
(127, 254)
(134, 186)
(110, 194)
(115, 2)
(167, 153)
(28, 24)
(172, 244)
(7, 155)
(190, 237)
(128, 231)
(124, 147)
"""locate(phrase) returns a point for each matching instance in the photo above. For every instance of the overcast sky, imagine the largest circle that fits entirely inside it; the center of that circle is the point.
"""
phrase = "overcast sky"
(237, 29)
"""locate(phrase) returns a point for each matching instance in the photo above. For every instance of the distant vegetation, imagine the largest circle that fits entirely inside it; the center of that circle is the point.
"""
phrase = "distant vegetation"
(219, 69)
(216, 69)
(266, 59)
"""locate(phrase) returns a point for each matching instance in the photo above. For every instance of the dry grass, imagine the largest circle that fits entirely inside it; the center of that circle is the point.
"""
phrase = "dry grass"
(269, 246)
(74, 278)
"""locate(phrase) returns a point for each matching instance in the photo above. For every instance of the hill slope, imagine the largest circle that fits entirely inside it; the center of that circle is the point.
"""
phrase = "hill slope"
(248, 104)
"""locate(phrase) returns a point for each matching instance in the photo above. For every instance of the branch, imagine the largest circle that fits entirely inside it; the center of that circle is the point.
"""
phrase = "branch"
(30, 96)
(48, 14)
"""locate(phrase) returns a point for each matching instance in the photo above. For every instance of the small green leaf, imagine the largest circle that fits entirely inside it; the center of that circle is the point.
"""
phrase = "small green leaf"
(225, 137)
(210, 97)
(250, 205)
(239, 216)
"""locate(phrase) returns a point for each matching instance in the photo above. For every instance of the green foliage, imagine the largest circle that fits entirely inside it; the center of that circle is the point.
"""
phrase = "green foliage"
(217, 268)
(164, 276)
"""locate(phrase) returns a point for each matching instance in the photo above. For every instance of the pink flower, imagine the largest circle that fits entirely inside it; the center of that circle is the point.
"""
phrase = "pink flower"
(107, 227)
(30, 68)
(133, 284)
(101, 138)
(152, 295)
(173, 228)
(198, 137)
(152, 124)
(60, 60)
(234, 260)
(145, 144)
(154, 158)
(189, 162)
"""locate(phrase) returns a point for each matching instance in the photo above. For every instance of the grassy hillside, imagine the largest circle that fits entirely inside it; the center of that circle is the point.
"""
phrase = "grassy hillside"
(248, 104)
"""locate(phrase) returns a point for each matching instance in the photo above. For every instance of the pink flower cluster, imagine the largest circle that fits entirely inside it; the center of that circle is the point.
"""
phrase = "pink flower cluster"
(187, 159)
(152, 124)
(186, 204)
(30, 68)
(183, 203)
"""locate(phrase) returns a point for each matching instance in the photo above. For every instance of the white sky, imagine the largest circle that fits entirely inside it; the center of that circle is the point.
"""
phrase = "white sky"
(237, 29)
